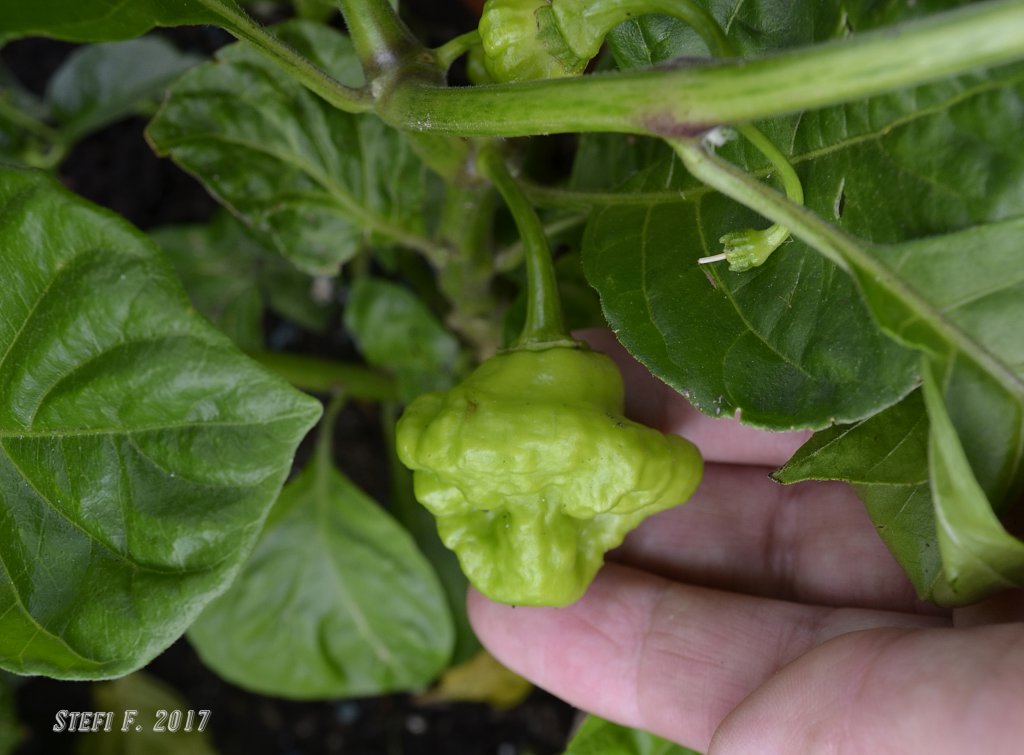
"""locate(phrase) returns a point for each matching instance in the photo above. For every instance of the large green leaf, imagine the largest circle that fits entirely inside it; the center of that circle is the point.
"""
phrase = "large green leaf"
(599, 737)
(966, 317)
(959, 298)
(336, 600)
(139, 451)
(231, 278)
(319, 182)
(790, 344)
(97, 20)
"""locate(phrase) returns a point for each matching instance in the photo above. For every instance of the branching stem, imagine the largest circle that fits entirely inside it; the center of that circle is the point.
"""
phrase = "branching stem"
(309, 75)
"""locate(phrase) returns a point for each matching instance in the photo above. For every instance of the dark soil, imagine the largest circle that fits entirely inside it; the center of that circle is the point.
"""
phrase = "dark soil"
(116, 168)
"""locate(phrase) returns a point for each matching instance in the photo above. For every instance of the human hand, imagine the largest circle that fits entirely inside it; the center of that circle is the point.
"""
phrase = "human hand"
(765, 619)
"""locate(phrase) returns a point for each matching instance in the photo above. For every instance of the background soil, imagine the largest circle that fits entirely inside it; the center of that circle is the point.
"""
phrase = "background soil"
(116, 168)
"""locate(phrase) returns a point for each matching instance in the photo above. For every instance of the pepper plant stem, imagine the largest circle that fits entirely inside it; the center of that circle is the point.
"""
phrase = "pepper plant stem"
(849, 253)
(544, 322)
(683, 101)
(381, 39)
(305, 71)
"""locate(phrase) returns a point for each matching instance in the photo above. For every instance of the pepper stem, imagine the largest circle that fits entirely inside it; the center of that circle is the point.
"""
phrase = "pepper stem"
(585, 23)
(545, 325)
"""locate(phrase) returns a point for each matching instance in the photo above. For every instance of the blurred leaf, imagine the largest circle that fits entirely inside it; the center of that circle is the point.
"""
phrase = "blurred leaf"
(11, 733)
(395, 330)
(139, 450)
(481, 679)
(99, 84)
(336, 600)
(231, 277)
(319, 182)
(25, 137)
(791, 343)
(599, 737)
(97, 20)
(146, 695)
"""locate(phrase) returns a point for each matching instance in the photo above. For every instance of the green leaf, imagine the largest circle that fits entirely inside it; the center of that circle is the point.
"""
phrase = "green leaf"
(99, 84)
(788, 345)
(155, 705)
(956, 299)
(959, 298)
(979, 556)
(964, 309)
(396, 331)
(791, 344)
(139, 451)
(321, 183)
(336, 601)
(97, 20)
(231, 278)
(886, 459)
(599, 737)
(889, 448)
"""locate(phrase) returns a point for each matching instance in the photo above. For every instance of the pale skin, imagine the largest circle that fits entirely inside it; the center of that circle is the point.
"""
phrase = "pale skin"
(766, 619)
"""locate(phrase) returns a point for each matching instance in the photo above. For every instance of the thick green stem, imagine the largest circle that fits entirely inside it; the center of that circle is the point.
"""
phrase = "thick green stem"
(544, 324)
(309, 75)
(749, 247)
(683, 101)
(382, 40)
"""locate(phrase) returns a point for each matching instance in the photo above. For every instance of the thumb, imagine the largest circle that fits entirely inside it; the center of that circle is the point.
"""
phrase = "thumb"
(889, 691)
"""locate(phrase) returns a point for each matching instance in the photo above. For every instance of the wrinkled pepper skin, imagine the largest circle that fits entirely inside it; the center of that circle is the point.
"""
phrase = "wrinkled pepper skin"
(522, 42)
(533, 472)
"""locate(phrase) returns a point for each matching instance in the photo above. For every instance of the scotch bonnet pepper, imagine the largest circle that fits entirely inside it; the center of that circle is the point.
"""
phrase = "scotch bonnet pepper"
(533, 472)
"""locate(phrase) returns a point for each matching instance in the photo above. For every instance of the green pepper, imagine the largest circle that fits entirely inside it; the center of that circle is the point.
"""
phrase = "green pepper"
(522, 42)
(533, 472)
